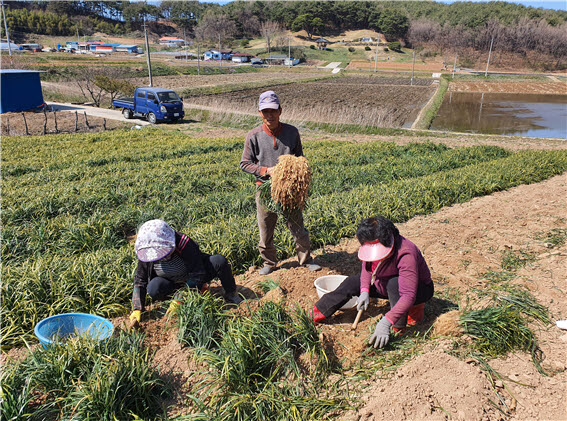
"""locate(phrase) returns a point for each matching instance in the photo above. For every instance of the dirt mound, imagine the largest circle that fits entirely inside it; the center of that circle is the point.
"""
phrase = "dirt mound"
(422, 390)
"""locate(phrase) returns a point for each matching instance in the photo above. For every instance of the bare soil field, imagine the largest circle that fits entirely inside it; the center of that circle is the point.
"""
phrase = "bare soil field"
(14, 124)
(433, 66)
(185, 82)
(548, 88)
(460, 243)
(342, 100)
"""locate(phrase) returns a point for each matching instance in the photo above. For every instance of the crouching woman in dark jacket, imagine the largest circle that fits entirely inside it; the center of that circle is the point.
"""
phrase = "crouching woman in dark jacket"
(168, 261)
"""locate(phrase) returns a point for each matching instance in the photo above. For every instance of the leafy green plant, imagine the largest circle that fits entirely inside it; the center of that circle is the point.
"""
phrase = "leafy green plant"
(503, 326)
(499, 276)
(512, 261)
(395, 46)
(555, 238)
(256, 370)
(498, 330)
(83, 379)
(268, 285)
(200, 319)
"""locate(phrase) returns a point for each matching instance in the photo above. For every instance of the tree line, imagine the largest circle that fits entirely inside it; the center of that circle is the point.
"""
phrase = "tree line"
(516, 28)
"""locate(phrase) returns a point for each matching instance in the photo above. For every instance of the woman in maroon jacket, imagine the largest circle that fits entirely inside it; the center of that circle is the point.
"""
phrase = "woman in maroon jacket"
(168, 260)
(393, 268)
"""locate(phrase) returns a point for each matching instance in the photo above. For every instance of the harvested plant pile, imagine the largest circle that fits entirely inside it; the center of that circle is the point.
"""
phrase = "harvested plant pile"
(504, 325)
(501, 326)
(447, 324)
(290, 182)
(70, 203)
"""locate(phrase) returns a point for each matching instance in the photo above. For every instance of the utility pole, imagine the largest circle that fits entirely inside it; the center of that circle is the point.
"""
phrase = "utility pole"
(78, 39)
(454, 66)
(480, 109)
(148, 53)
(488, 61)
(198, 58)
(220, 54)
(185, 45)
(289, 50)
(7, 34)
(376, 58)
(412, 68)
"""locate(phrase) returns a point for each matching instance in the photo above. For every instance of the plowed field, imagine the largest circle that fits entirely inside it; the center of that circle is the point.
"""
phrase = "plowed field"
(391, 65)
(184, 82)
(384, 102)
(558, 88)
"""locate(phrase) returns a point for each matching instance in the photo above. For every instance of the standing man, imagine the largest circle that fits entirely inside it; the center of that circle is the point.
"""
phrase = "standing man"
(262, 148)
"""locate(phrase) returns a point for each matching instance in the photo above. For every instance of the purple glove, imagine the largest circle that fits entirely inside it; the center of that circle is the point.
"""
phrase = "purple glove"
(381, 334)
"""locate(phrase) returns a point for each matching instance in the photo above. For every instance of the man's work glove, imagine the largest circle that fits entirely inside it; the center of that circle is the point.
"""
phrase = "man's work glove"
(381, 334)
(135, 318)
(363, 300)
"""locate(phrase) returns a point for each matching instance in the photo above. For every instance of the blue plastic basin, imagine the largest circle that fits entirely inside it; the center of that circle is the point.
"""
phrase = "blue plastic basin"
(63, 326)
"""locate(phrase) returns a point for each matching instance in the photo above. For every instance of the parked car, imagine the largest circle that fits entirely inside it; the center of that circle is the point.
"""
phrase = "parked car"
(154, 104)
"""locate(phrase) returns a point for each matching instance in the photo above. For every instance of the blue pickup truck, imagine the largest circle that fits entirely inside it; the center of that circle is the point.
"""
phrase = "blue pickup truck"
(154, 104)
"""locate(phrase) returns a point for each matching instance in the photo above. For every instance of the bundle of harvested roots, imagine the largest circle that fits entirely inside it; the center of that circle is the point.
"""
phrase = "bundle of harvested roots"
(289, 183)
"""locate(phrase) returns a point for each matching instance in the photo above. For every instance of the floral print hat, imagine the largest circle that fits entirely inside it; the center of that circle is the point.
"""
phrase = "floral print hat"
(156, 239)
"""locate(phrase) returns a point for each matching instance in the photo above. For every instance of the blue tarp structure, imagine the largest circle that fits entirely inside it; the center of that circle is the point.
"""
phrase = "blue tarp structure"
(20, 90)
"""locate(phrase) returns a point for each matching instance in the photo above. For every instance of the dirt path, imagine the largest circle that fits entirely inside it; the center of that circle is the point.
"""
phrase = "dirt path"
(95, 112)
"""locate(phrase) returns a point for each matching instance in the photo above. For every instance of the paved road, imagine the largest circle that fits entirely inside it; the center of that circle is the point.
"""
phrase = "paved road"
(95, 111)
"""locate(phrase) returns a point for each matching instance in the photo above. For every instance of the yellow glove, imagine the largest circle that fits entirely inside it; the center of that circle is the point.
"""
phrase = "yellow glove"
(136, 316)
(173, 306)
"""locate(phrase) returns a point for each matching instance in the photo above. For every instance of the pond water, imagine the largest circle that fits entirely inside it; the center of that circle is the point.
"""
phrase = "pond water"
(507, 114)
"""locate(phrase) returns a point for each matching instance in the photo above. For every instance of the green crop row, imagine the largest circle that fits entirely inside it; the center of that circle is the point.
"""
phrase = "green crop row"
(84, 380)
(70, 204)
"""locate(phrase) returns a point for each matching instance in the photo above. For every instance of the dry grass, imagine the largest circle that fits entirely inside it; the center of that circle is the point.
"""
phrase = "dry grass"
(290, 182)
(448, 324)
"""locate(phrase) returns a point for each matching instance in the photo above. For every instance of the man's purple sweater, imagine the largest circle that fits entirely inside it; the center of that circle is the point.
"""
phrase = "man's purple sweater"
(408, 264)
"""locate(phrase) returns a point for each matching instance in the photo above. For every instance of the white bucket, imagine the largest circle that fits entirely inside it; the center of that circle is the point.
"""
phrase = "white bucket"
(329, 283)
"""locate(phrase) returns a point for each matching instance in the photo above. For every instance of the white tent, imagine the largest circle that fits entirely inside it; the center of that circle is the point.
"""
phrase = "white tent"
(4, 46)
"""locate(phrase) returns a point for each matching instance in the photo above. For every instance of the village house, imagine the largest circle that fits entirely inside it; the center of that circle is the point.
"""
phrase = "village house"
(215, 54)
(241, 57)
(127, 48)
(171, 41)
(105, 48)
(322, 43)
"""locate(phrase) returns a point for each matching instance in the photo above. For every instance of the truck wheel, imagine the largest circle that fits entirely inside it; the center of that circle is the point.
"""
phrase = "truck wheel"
(152, 118)
(127, 114)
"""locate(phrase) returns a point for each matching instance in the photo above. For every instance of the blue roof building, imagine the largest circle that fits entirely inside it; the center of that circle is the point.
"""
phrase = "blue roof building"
(21, 90)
